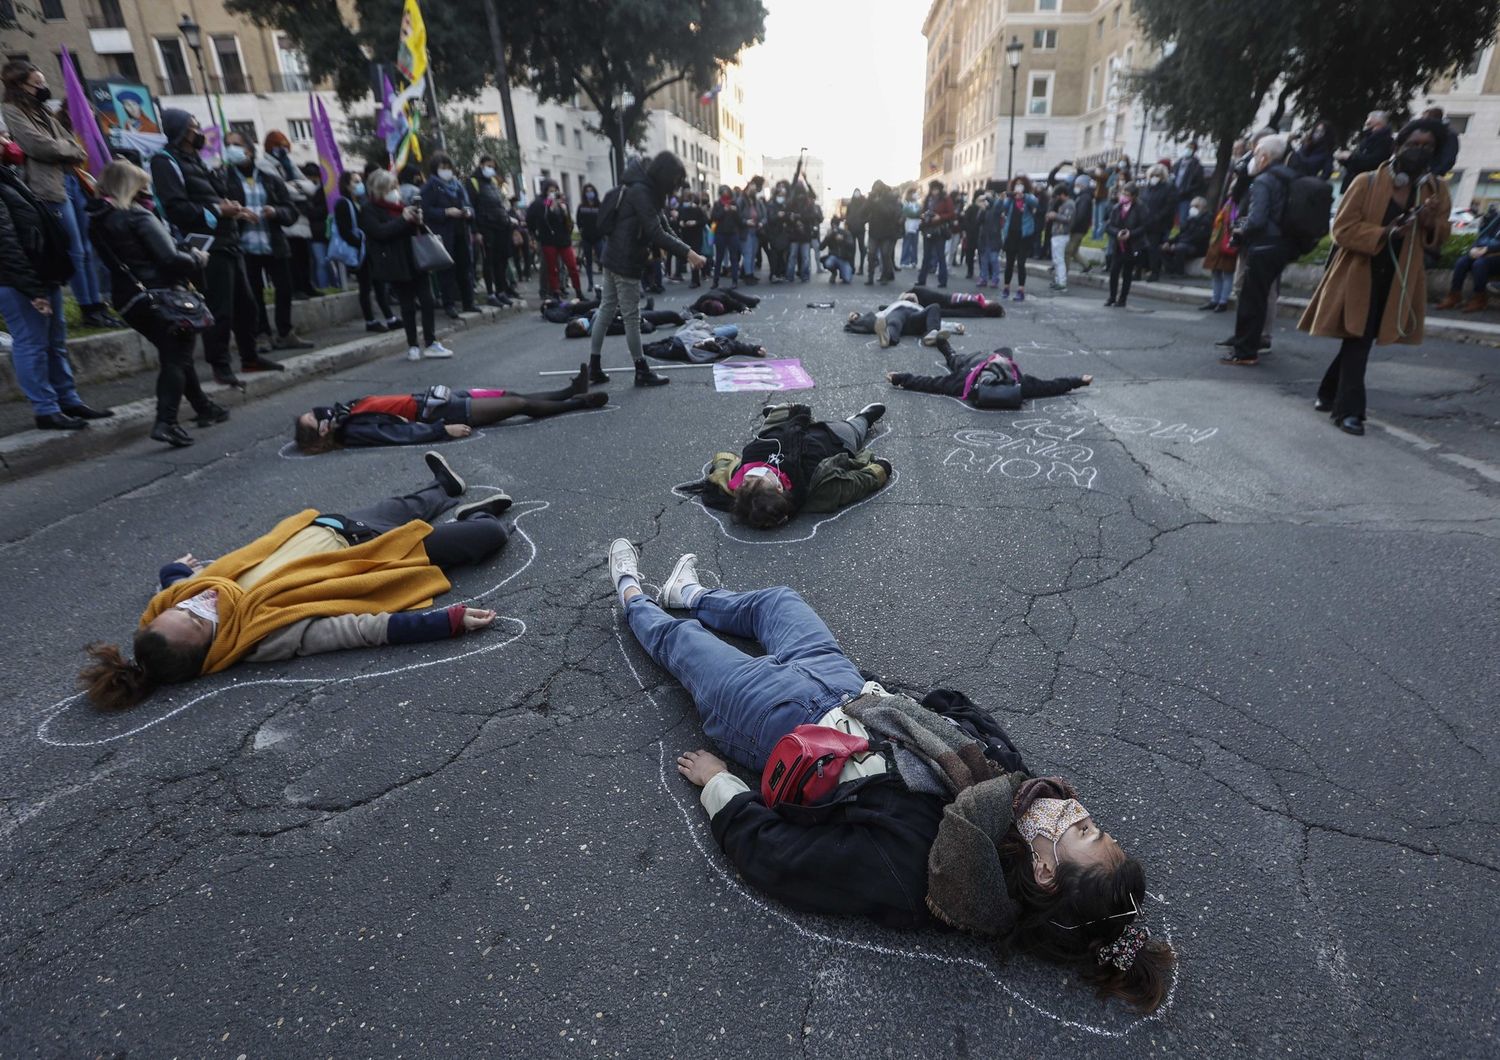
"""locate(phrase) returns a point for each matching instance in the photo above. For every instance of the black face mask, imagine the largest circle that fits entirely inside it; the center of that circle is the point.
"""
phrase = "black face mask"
(196, 141)
(42, 94)
(1414, 160)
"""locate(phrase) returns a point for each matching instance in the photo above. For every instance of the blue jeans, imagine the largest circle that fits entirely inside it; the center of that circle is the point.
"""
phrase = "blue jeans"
(908, 250)
(324, 274)
(1466, 266)
(796, 261)
(989, 267)
(1101, 212)
(749, 248)
(1223, 286)
(39, 352)
(933, 259)
(85, 281)
(748, 702)
(840, 266)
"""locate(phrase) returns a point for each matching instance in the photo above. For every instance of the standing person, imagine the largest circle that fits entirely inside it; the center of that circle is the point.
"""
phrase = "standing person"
(1447, 156)
(855, 220)
(1158, 207)
(752, 219)
(693, 220)
(971, 217)
(775, 233)
(267, 250)
(323, 274)
(300, 189)
(34, 263)
(1261, 242)
(1124, 229)
(911, 226)
(352, 196)
(1374, 289)
(1060, 224)
(85, 281)
(389, 225)
(51, 154)
(1083, 219)
(883, 213)
(1374, 148)
(492, 219)
(936, 226)
(1017, 233)
(448, 212)
(1219, 258)
(1188, 180)
(839, 245)
(802, 217)
(547, 218)
(725, 219)
(589, 238)
(1314, 155)
(197, 200)
(1039, 211)
(138, 249)
(637, 231)
(991, 239)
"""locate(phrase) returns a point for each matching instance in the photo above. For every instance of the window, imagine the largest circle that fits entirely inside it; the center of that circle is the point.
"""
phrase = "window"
(1088, 135)
(52, 10)
(1094, 87)
(567, 186)
(245, 129)
(1036, 139)
(231, 71)
(487, 126)
(578, 139)
(299, 129)
(1116, 22)
(174, 72)
(123, 65)
(1099, 29)
(541, 130)
(1039, 96)
(562, 135)
(293, 76)
(1459, 123)
(1044, 39)
(1046, 5)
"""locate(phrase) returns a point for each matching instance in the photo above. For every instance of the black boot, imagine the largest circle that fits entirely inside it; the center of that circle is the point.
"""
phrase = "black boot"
(644, 376)
(211, 414)
(596, 372)
(170, 433)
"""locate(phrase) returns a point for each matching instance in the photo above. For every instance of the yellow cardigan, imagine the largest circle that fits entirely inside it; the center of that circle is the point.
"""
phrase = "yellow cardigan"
(386, 574)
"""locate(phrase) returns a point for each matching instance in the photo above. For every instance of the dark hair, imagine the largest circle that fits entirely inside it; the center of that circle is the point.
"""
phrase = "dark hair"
(113, 682)
(1026, 184)
(762, 509)
(15, 75)
(346, 181)
(310, 441)
(665, 172)
(934, 185)
(1084, 900)
(437, 160)
(1437, 129)
(410, 173)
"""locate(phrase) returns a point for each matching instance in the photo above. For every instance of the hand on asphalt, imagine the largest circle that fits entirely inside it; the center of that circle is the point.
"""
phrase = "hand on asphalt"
(477, 618)
(458, 430)
(700, 767)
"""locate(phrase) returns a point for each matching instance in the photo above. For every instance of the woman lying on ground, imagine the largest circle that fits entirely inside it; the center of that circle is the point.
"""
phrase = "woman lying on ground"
(561, 311)
(699, 342)
(436, 416)
(984, 380)
(956, 304)
(795, 463)
(935, 821)
(719, 303)
(901, 317)
(651, 319)
(317, 582)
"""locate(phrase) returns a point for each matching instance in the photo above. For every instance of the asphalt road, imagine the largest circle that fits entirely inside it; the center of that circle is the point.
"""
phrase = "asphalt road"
(1265, 651)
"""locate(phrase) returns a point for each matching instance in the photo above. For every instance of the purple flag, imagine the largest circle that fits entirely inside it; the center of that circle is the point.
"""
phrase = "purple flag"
(81, 113)
(329, 162)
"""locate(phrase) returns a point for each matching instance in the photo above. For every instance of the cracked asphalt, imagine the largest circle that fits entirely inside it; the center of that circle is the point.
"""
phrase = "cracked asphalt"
(1265, 651)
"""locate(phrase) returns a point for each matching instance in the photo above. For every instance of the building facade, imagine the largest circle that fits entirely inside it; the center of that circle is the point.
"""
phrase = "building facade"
(784, 167)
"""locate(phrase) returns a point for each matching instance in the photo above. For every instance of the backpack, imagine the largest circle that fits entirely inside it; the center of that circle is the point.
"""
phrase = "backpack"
(804, 765)
(609, 210)
(1304, 215)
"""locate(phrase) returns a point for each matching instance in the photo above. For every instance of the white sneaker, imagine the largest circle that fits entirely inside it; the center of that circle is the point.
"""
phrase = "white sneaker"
(624, 561)
(437, 351)
(414, 354)
(883, 328)
(685, 573)
(952, 327)
(931, 338)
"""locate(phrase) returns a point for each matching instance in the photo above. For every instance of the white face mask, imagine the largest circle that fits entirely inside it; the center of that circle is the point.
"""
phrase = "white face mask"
(489, 172)
(394, 195)
(1193, 211)
(234, 154)
(1153, 180)
(445, 174)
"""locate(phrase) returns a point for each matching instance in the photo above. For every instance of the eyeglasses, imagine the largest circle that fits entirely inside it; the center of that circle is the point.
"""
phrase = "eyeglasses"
(1134, 910)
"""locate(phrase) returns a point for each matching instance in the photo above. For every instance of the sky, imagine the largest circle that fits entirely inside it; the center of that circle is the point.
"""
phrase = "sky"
(815, 83)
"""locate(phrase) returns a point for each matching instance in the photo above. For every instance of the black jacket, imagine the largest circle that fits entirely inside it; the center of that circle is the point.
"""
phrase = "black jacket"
(33, 248)
(692, 221)
(884, 215)
(382, 428)
(280, 200)
(491, 211)
(189, 194)
(1313, 160)
(1194, 233)
(551, 225)
(726, 220)
(1083, 211)
(1158, 203)
(863, 851)
(840, 244)
(638, 225)
(346, 220)
(388, 245)
(1373, 148)
(856, 215)
(587, 217)
(796, 446)
(1262, 223)
(439, 196)
(137, 240)
(1188, 178)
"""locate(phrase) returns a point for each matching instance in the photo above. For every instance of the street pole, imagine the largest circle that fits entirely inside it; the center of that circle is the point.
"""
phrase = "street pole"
(1013, 57)
(193, 34)
(502, 82)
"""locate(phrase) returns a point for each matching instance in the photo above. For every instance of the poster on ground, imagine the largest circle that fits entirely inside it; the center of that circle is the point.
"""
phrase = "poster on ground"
(736, 377)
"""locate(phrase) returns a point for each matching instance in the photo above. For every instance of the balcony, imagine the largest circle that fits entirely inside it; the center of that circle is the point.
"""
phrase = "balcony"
(231, 84)
(291, 83)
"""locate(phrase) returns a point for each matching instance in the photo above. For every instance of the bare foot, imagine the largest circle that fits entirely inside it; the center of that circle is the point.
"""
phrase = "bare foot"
(700, 767)
(1087, 380)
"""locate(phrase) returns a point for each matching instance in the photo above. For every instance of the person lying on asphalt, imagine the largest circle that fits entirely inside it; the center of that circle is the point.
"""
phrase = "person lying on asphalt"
(795, 463)
(901, 317)
(434, 416)
(699, 342)
(317, 582)
(984, 380)
(956, 304)
(925, 814)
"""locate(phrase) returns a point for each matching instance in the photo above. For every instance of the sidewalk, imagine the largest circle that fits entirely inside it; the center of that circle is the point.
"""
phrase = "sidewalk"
(1475, 328)
(25, 450)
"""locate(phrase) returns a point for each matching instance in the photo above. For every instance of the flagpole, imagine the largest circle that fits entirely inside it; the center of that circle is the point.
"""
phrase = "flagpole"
(437, 112)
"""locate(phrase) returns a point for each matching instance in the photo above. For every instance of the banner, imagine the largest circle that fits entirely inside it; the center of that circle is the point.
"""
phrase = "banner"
(411, 51)
(81, 115)
(735, 377)
(397, 126)
(330, 164)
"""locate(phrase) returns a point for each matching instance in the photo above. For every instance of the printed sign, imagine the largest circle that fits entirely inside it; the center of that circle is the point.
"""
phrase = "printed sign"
(761, 375)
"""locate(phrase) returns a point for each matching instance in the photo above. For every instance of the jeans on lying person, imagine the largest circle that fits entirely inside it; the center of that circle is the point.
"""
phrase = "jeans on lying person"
(748, 702)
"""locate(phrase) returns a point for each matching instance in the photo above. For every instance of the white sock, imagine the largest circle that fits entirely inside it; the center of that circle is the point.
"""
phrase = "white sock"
(691, 592)
(626, 582)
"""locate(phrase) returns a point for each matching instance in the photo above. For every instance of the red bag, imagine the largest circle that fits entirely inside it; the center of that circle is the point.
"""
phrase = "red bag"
(805, 764)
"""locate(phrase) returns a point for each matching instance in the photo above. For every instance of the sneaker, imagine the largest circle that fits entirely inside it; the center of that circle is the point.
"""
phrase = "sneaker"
(453, 485)
(414, 353)
(292, 341)
(228, 378)
(882, 328)
(1005, 291)
(437, 351)
(685, 573)
(953, 327)
(392, 323)
(872, 412)
(624, 561)
(378, 327)
(1021, 295)
(932, 337)
(495, 504)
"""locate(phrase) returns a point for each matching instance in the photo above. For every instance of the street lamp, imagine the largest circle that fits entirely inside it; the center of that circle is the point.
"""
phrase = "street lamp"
(193, 34)
(627, 100)
(1013, 57)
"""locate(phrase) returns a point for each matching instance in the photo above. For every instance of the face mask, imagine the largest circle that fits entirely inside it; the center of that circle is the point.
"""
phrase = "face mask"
(1050, 819)
(1125, 200)
(1414, 160)
(1193, 211)
(235, 155)
(1018, 190)
(589, 196)
(42, 94)
(393, 195)
(1154, 181)
(489, 172)
(781, 198)
(197, 140)
(445, 174)
(1187, 152)
(205, 605)
(359, 191)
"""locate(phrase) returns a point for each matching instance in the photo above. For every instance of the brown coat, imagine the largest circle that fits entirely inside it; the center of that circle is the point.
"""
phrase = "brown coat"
(51, 151)
(1340, 307)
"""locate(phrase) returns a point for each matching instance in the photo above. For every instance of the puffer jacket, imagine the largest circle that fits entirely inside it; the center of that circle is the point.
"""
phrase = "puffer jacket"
(33, 247)
(189, 194)
(638, 225)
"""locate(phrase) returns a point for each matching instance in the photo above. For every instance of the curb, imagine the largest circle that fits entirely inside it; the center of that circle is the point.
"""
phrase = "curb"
(1287, 305)
(30, 451)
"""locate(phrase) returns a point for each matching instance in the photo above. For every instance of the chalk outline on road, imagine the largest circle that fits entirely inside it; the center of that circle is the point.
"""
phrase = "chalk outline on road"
(775, 913)
(286, 452)
(57, 709)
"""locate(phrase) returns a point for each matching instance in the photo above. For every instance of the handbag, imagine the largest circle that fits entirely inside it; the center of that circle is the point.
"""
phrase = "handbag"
(347, 254)
(429, 253)
(179, 311)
